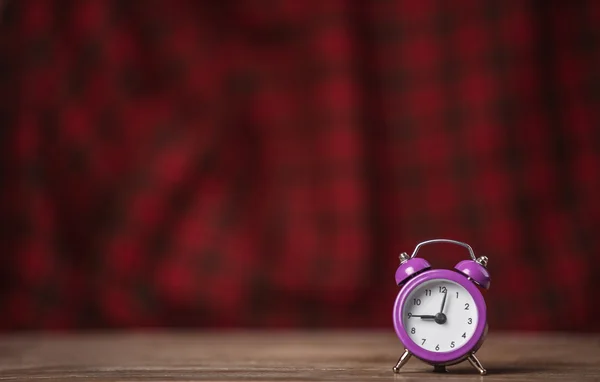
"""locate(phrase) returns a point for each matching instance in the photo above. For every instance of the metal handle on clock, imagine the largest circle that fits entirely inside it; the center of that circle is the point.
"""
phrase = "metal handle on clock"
(467, 246)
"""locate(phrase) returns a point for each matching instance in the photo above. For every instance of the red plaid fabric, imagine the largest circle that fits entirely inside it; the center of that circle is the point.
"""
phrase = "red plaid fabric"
(262, 163)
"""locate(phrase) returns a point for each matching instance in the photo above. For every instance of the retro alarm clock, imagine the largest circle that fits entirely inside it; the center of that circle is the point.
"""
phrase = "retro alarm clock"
(440, 314)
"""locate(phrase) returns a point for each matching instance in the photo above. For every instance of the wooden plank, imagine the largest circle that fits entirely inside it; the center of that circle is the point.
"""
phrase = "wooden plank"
(283, 356)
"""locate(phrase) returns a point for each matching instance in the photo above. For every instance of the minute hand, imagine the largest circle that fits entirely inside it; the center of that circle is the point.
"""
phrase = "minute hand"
(443, 302)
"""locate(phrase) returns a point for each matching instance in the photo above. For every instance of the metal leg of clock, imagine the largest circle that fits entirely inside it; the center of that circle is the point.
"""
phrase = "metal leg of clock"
(402, 361)
(476, 364)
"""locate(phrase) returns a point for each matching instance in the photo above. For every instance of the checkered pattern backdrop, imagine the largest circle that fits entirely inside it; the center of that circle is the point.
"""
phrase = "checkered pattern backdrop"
(262, 163)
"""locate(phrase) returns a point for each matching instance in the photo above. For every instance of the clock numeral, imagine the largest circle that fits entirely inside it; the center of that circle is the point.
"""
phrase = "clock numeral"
(464, 335)
(423, 339)
(466, 306)
(416, 301)
(443, 289)
(452, 344)
(413, 331)
(456, 294)
(427, 292)
(409, 314)
(437, 347)
(470, 321)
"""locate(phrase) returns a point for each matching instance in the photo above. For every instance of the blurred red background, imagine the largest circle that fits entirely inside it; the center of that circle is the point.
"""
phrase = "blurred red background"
(263, 163)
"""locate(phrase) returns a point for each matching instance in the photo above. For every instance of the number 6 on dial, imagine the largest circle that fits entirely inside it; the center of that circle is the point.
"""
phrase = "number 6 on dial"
(440, 314)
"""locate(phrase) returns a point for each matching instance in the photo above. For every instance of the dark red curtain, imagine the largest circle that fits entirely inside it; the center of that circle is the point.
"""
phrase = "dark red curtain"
(263, 163)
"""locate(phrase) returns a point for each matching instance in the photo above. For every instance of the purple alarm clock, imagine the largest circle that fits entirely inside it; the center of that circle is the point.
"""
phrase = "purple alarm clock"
(440, 314)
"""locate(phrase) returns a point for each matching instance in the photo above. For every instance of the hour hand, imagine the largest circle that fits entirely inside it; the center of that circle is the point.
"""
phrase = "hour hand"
(424, 316)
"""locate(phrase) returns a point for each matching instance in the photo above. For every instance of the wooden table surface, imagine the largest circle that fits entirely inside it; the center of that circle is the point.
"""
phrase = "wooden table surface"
(283, 356)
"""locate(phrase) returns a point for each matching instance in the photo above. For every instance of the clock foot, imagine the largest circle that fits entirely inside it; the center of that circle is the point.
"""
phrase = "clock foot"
(476, 364)
(402, 361)
(439, 369)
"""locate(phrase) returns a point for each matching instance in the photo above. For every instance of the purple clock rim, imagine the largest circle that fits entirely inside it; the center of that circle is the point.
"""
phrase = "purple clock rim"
(426, 355)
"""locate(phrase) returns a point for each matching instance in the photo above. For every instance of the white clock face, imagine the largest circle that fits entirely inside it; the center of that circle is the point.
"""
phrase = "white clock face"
(440, 315)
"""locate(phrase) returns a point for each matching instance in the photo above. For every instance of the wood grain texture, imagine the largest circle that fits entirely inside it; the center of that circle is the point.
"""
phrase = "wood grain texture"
(283, 356)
